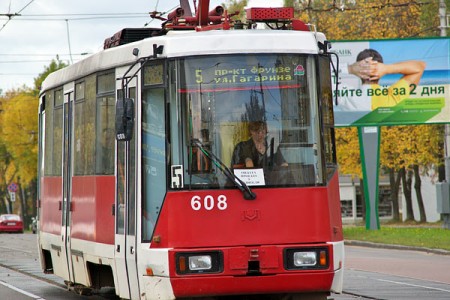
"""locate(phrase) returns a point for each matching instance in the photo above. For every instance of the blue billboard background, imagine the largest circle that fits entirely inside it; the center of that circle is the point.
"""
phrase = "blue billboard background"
(430, 100)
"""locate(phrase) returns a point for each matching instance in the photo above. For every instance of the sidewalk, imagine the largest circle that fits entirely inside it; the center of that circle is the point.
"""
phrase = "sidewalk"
(396, 247)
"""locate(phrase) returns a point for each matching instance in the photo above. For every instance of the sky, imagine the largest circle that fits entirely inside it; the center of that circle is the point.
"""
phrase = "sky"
(39, 30)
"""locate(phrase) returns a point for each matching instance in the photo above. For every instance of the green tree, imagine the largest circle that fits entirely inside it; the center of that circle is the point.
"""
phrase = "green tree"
(236, 6)
(55, 64)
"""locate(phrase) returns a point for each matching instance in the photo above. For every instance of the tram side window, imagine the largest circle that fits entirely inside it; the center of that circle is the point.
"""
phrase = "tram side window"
(84, 126)
(48, 135)
(105, 123)
(154, 181)
(57, 133)
(326, 100)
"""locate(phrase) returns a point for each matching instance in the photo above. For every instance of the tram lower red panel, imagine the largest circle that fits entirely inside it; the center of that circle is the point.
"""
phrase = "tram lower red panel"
(273, 275)
(50, 205)
(228, 285)
(91, 207)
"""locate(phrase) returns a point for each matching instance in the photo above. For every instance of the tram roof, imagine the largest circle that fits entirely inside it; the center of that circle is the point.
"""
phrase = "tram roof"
(189, 43)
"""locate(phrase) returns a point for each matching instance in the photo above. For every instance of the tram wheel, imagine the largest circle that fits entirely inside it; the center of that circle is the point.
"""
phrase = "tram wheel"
(82, 290)
(306, 296)
(300, 296)
(68, 284)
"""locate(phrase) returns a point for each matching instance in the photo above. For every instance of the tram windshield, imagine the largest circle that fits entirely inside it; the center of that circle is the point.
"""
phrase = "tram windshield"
(256, 115)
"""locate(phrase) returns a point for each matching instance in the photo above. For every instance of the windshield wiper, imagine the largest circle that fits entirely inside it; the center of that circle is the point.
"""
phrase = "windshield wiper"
(242, 186)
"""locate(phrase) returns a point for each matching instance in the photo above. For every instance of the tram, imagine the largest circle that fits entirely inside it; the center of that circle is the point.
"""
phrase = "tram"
(142, 188)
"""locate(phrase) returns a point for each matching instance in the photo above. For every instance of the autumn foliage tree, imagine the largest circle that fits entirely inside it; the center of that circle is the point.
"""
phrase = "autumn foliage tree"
(19, 144)
(406, 151)
(368, 19)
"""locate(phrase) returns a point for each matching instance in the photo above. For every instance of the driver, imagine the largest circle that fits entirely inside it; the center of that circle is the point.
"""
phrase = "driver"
(255, 152)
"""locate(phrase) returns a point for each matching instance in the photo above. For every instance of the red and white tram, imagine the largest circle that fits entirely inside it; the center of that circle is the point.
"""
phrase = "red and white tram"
(139, 186)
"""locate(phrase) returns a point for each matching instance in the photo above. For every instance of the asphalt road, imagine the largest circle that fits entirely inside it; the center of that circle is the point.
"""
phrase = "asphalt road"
(378, 273)
(370, 273)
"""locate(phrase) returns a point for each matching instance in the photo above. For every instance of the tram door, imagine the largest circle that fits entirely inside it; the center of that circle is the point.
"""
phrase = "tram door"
(67, 182)
(125, 240)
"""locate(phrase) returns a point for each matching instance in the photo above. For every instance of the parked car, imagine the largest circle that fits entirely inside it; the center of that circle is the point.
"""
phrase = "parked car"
(11, 223)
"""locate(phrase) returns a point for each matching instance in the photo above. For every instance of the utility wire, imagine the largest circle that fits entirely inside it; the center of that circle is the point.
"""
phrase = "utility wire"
(22, 18)
(13, 15)
(41, 54)
(155, 10)
(23, 61)
(85, 14)
(343, 8)
(68, 41)
(159, 14)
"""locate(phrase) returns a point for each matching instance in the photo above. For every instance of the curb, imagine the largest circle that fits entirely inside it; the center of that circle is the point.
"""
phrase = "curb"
(395, 247)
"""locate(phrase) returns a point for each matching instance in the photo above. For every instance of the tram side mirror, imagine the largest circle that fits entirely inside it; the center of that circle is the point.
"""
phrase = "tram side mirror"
(124, 119)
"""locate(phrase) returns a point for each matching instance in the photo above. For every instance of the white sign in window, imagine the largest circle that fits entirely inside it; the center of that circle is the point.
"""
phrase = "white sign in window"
(251, 176)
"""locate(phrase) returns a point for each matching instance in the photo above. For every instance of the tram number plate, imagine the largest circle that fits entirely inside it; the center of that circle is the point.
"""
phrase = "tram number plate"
(209, 202)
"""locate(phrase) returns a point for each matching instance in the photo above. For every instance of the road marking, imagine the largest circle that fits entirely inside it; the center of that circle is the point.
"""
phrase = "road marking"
(21, 291)
(415, 285)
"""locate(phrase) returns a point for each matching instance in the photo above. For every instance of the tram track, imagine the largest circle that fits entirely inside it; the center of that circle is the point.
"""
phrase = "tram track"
(34, 276)
(31, 273)
(19, 258)
(345, 294)
(16, 249)
(358, 296)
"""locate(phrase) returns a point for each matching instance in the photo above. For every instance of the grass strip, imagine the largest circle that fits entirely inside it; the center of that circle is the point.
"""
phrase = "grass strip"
(434, 238)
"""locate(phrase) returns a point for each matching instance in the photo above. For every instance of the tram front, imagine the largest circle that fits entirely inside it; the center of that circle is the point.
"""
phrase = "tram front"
(239, 184)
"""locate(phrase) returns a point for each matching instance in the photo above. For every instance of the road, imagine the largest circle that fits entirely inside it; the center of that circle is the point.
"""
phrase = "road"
(377, 273)
(370, 273)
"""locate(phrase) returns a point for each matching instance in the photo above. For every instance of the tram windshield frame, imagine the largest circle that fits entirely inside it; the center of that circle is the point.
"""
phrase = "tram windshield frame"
(216, 100)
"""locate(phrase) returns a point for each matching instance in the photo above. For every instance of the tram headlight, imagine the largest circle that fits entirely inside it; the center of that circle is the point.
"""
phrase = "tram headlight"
(199, 262)
(307, 258)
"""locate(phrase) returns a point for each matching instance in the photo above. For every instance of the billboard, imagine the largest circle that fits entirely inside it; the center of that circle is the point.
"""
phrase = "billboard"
(412, 85)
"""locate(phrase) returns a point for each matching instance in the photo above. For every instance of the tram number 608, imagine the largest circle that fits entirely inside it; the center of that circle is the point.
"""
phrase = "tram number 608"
(209, 203)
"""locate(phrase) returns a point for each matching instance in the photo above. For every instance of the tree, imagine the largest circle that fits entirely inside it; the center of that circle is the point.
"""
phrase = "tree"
(348, 155)
(236, 6)
(19, 132)
(19, 142)
(403, 150)
(19, 138)
(55, 64)
(366, 19)
(5, 178)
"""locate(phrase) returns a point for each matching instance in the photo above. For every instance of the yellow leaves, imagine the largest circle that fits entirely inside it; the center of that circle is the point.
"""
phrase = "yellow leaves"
(404, 146)
(401, 146)
(18, 123)
(368, 19)
(348, 156)
(236, 6)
